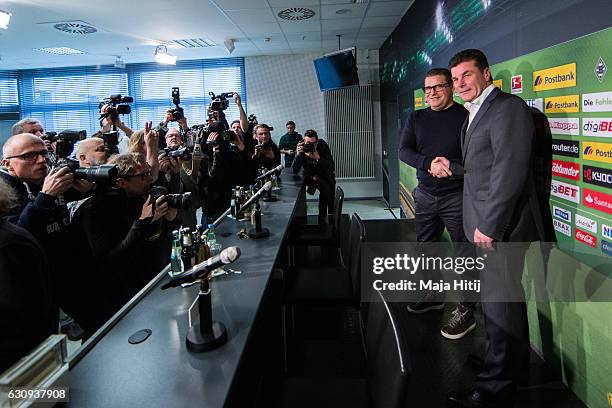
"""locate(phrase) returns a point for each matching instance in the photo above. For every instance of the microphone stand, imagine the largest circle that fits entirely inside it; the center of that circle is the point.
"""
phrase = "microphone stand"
(207, 334)
(269, 198)
(258, 231)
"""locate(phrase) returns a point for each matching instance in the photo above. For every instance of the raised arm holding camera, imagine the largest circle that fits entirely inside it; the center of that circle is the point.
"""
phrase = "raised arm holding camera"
(314, 156)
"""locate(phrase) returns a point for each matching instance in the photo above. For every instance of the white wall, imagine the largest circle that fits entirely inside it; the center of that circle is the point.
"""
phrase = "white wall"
(282, 88)
(285, 87)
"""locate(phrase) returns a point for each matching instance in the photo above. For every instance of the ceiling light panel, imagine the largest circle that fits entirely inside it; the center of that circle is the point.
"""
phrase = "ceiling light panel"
(60, 50)
(195, 43)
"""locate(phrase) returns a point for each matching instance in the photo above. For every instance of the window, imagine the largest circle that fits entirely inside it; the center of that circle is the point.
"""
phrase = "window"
(9, 101)
(68, 98)
(151, 84)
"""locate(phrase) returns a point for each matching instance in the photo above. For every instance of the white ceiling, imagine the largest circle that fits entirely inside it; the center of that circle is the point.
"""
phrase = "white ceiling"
(132, 29)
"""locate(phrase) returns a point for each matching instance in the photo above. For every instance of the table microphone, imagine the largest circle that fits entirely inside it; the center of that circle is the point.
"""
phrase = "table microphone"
(225, 257)
(277, 169)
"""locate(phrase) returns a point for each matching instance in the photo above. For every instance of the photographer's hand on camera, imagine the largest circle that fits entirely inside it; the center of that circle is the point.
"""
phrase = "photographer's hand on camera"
(58, 182)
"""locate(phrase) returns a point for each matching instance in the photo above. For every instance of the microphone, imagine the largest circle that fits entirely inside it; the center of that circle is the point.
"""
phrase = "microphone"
(225, 257)
(277, 169)
(256, 196)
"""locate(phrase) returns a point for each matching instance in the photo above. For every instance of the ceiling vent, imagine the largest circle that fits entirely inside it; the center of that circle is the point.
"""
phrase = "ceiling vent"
(296, 13)
(59, 50)
(195, 43)
(76, 27)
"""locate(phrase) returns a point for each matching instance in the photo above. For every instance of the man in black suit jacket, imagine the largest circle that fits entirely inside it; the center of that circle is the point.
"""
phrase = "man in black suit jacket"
(499, 206)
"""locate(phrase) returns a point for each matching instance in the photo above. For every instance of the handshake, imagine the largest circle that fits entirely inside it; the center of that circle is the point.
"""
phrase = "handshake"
(440, 167)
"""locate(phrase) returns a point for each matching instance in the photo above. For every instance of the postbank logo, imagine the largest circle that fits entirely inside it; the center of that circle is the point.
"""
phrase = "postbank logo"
(562, 104)
(601, 152)
(562, 76)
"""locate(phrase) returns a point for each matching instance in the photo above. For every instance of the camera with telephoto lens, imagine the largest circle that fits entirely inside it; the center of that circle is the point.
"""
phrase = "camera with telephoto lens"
(181, 153)
(178, 201)
(117, 105)
(309, 147)
(111, 141)
(177, 112)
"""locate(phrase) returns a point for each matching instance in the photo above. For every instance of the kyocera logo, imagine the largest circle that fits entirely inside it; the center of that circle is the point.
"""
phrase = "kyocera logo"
(588, 150)
(538, 80)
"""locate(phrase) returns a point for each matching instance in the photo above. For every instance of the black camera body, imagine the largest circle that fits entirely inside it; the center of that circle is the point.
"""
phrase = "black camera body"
(182, 153)
(264, 146)
(178, 201)
(105, 174)
(111, 141)
(219, 102)
(177, 112)
(309, 148)
(118, 105)
(64, 141)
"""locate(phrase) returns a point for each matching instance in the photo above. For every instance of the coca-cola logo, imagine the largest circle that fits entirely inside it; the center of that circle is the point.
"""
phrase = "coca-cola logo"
(585, 238)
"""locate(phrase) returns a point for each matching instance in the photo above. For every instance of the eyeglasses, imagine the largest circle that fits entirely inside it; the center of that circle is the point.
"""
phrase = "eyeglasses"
(141, 175)
(30, 156)
(435, 88)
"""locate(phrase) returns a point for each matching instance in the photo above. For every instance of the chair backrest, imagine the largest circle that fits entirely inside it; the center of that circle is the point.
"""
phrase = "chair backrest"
(388, 370)
(357, 236)
(338, 200)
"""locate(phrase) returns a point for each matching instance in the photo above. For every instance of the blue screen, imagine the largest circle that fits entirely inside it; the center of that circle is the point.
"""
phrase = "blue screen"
(336, 71)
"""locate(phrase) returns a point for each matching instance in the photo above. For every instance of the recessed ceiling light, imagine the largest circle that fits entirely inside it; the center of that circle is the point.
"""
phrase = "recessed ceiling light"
(59, 50)
(5, 18)
(195, 43)
(344, 11)
(161, 55)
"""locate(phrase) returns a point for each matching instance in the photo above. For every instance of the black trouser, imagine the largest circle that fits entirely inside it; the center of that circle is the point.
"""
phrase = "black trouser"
(326, 198)
(434, 213)
(506, 359)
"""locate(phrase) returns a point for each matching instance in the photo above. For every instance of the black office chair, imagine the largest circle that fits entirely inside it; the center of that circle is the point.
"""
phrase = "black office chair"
(387, 375)
(329, 285)
(322, 235)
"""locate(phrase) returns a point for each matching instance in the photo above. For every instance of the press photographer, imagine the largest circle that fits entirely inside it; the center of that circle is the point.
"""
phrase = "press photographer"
(110, 110)
(267, 153)
(128, 231)
(314, 156)
(41, 210)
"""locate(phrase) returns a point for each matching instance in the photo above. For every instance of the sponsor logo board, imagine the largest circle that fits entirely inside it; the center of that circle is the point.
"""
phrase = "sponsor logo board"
(606, 231)
(599, 127)
(562, 213)
(564, 126)
(516, 84)
(537, 103)
(597, 102)
(597, 176)
(597, 200)
(562, 227)
(565, 191)
(606, 248)
(562, 76)
(562, 104)
(586, 238)
(569, 148)
(566, 169)
(601, 152)
(419, 102)
(585, 223)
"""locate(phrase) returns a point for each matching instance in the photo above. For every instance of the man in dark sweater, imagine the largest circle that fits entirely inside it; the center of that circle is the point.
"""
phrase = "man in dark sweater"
(288, 143)
(431, 142)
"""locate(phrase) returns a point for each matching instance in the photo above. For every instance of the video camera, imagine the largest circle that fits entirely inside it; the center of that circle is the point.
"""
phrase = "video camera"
(117, 105)
(177, 112)
(219, 102)
(182, 153)
(111, 141)
(64, 141)
(178, 201)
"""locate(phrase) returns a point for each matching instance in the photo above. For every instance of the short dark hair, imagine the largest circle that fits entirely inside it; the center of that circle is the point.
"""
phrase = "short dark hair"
(290, 123)
(311, 133)
(470, 55)
(440, 71)
(235, 121)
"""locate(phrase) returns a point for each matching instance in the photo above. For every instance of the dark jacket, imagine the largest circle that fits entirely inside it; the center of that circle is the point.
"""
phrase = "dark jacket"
(28, 314)
(262, 161)
(128, 251)
(323, 168)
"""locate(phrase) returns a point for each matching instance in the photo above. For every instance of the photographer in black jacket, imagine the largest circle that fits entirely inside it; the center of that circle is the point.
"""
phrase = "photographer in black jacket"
(267, 154)
(28, 314)
(315, 157)
(128, 231)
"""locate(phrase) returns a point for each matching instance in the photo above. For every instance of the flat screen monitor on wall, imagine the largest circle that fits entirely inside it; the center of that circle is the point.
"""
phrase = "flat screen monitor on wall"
(337, 70)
